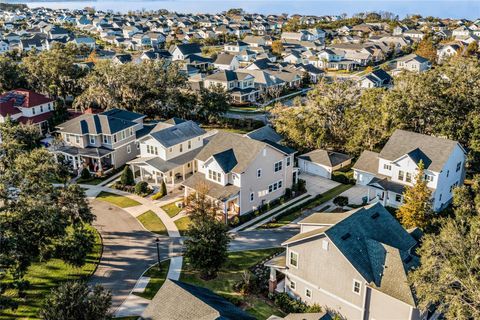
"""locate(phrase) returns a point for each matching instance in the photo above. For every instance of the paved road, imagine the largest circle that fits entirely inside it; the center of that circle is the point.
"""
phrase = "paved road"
(261, 239)
(128, 250)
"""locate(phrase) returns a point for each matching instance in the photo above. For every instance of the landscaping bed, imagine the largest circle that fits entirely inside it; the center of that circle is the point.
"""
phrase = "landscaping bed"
(118, 200)
(44, 276)
(257, 304)
(157, 278)
(153, 223)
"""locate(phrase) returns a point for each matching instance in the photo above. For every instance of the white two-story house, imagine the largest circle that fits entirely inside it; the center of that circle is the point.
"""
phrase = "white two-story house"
(388, 173)
(168, 152)
(100, 142)
(26, 106)
(241, 173)
(241, 85)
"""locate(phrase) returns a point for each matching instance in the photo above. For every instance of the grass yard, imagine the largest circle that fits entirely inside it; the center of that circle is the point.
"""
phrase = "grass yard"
(231, 273)
(171, 209)
(91, 181)
(152, 223)
(283, 220)
(182, 225)
(44, 276)
(119, 201)
(157, 278)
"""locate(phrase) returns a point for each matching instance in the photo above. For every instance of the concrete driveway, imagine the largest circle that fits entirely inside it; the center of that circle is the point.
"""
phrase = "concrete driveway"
(262, 239)
(355, 194)
(128, 250)
(317, 185)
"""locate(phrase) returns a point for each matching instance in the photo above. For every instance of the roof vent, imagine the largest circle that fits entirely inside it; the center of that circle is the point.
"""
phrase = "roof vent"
(346, 236)
(375, 215)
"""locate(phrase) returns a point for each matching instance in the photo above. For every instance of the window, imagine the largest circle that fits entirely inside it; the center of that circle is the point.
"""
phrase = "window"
(356, 286)
(41, 108)
(181, 147)
(279, 184)
(459, 166)
(440, 197)
(33, 110)
(400, 175)
(278, 166)
(77, 139)
(215, 176)
(398, 197)
(131, 131)
(259, 173)
(105, 139)
(129, 149)
(292, 285)
(270, 188)
(448, 172)
(428, 178)
(114, 138)
(67, 137)
(251, 196)
(409, 177)
(156, 151)
(189, 144)
(387, 167)
(288, 161)
(137, 145)
(122, 135)
(293, 259)
(92, 140)
(308, 293)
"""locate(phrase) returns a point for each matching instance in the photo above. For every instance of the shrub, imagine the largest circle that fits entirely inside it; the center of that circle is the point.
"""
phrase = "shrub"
(288, 193)
(141, 188)
(234, 221)
(163, 188)
(157, 195)
(301, 185)
(127, 177)
(85, 174)
(340, 201)
(289, 305)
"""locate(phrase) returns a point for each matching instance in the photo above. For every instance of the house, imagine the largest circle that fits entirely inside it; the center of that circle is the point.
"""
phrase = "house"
(100, 142)
(323, 162)
(242, 174)
(182, 51)
(448, 50)
(168, 151)
(415, 35)
(354, 263)
(376, 79)
(4, 46)
(235, 47)
(26, 106)
(179, 300)
(386, 174)
(226, 61)
(241, 85)
(413, 62)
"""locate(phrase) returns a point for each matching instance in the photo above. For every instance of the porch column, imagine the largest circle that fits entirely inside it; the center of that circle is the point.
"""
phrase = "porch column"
(368, 194)
(173, 178)
(100, 164)
(225, 210)
(156, 177)
(79, 161)
(272, 281)
(74, 162)
(183, 172)
(132, 167)
(141, 173)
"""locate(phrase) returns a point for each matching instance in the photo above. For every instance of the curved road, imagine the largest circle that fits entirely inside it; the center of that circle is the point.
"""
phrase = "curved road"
(128, 250)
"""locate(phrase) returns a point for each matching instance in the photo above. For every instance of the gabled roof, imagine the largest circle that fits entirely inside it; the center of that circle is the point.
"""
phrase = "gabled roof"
(226, 160)
(24, 98)
(367, 162)
(325, 157)
(189, 48)
(402, 142)
(265, 133)
(123, 114)
(178, 300)
(95, 124)
(178, 133)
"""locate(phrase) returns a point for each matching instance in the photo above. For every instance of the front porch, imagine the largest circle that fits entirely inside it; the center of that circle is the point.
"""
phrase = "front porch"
(97, 160)
(276, 282)
(385, 191)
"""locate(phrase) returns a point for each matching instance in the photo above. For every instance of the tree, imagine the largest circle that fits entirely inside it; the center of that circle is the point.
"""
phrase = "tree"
(449, 264)
(472, 49)
(426, 49)
(11, 74)
(207, 243)
(163, 188)
(214, 102)
(416, 210)
(127, 178)
(277, 47)
(75, 301)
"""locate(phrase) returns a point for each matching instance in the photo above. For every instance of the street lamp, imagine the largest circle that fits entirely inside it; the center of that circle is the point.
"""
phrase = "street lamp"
(157, 241)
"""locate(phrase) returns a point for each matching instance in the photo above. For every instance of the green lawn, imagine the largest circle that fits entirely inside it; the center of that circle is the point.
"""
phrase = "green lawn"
(119, 201)
(231, 273)
(182, 224)
(43, 277)
(283, 220)
(152, 223)
(171, 209)
(157, 278)
(91, 181)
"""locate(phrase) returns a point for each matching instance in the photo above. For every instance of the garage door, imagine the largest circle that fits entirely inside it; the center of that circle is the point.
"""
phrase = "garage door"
(315, 169)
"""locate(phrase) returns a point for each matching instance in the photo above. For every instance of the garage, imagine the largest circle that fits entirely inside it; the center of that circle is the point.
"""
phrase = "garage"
(322, 162)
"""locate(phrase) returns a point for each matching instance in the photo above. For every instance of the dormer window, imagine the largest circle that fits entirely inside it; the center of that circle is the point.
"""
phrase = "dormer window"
(41, 108)
(214, 175)
(92, 140)
(33, 110)
(189, 144)
(181, 147)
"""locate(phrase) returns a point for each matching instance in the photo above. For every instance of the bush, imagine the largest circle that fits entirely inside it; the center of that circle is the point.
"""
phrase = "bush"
(141, 188)
(234, 221)
(288, 193)
(341, 201)
(301, 186)
(157, 195)
(289, 305)
(85, 174)
(163, 188)
(127, 177)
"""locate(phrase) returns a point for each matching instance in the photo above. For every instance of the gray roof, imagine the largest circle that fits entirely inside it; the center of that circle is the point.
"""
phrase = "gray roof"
(166, 165)
(376, 245)
(386, 184)
(224, 58)
(95, 124)
(123, 114)
(368, 162)
(265, 133)
(244, 149)
(326, 158)
(178, 133)
(181, 301)
(214, 190)
(402, 142)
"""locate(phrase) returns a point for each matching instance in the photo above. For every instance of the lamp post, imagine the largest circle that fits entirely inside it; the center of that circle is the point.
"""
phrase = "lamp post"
(157, 241)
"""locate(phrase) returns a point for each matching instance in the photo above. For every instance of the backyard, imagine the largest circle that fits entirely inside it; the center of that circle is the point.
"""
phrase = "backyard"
(257, 305)
(43, 277)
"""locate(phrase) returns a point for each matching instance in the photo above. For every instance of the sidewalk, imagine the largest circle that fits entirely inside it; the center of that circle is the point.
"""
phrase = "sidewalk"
(268, 214)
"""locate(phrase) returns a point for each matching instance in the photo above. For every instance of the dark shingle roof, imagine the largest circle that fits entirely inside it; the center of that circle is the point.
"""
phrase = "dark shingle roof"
(226, 160)
(265, 133)
(367, 162)
(123, 114)
(178, 133)
(324, 157)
